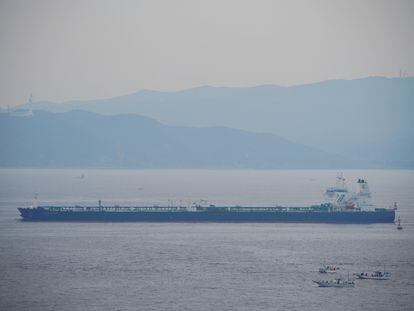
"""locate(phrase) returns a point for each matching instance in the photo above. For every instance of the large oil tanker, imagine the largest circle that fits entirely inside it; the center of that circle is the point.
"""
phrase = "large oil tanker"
(343, 206)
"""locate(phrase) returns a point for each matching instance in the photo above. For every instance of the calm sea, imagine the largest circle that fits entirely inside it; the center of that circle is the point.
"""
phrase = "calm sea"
(199, 266)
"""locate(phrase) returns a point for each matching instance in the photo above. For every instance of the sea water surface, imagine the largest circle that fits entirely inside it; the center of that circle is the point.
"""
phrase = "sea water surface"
(199, 266)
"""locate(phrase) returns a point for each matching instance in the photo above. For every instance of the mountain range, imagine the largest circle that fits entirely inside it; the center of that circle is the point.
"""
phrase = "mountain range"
(85, 139)
(367, 121)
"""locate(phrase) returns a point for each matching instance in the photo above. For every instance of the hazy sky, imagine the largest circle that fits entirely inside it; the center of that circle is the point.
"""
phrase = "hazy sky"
(63, 50)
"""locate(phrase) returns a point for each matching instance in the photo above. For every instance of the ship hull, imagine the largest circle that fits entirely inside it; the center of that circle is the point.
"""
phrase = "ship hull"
(360, 217)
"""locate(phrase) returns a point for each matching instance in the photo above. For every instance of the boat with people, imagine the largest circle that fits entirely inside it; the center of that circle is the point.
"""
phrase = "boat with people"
(376, 275)
(329, 269)
(341, 283)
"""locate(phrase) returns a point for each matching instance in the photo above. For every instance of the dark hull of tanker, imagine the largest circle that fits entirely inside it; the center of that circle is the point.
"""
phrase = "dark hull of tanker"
(210, 216)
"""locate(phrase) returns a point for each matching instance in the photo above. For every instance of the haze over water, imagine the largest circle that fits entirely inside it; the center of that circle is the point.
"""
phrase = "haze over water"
(199, 266)
(151, 95)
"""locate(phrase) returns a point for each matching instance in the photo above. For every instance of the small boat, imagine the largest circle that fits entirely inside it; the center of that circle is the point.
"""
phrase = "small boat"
(399, 227)
(328, 269)
(335, 283)
(377, 275)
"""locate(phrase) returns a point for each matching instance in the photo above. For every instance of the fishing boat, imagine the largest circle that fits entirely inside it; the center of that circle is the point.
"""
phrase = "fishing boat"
(329, 269)
(335, 283)
(376, 275)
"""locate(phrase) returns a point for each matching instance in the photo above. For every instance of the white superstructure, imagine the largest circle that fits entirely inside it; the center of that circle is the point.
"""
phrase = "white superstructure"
(342, 198)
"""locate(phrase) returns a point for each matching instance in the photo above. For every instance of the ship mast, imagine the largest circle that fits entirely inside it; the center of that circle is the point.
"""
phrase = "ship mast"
(35, 202)
(30, 104)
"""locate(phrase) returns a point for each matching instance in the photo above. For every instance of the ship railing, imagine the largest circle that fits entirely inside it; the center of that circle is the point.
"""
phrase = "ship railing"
(174, 209)
(114, 208)
(238, 209)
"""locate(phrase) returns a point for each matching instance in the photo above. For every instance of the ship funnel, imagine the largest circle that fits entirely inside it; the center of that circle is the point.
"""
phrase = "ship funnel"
(363, 189)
